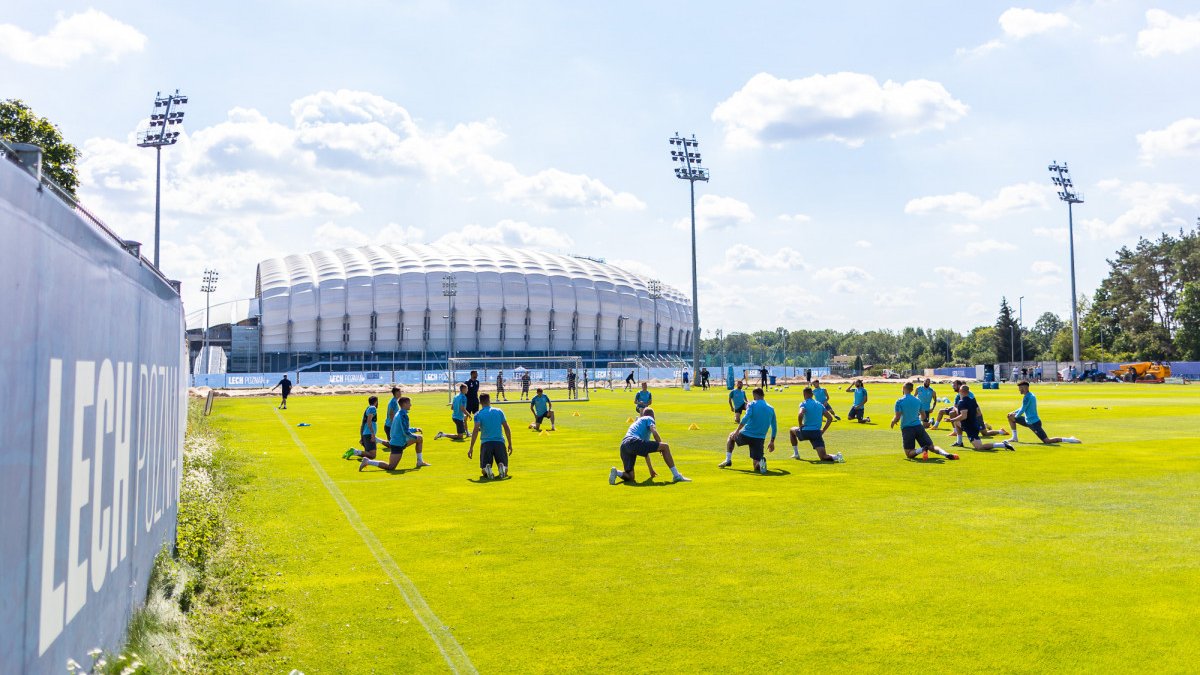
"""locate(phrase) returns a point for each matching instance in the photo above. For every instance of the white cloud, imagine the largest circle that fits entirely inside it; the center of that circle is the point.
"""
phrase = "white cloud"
(845, 279)
(957, 276)
(509, 233)
(332, 235)
(743, 258)
(89, 34)
(1058, 234)
(844, 107)
(897, 297)
(554, 189)
(1020, 23)
(985, 247)
(1180, 139)
(1151, 207)
(718, 213)
(794, 218)
(1166, 33)
(964, 228)
(1045, 267)
(982, 50)
(862, 243)
(977, 309)
(1009, 200)
(637, 267)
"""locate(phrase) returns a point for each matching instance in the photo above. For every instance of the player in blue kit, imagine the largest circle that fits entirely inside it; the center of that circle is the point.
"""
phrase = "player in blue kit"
(912, 426)
(737, 402)
(458, 413)
(858, 410)
(752, 432)
(542, 409)
(642, 399)
(927, 396)
(403, 435)
(970, 421)
(490, 425)
(811, 415)
(821, 395)
(1027, 416)
(640, 440)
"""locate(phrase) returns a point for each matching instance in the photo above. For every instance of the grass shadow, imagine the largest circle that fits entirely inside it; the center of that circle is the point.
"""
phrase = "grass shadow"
(936, 459)
(480, 480)
(771, 473)
(649, 482)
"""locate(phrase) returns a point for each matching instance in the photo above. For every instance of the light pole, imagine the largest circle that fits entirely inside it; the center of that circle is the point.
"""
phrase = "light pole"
(1021, 323)
(655, 294)
(690, 171)
(1061, 177)
(168, 112)
(621, 336)
(209, 285)
(449, 289)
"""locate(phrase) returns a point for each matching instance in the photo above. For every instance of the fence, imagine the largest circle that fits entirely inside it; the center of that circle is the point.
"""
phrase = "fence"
(91, 426)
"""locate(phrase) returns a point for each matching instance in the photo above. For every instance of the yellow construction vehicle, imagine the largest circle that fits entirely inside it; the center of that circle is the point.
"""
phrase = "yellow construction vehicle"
(1146, 371)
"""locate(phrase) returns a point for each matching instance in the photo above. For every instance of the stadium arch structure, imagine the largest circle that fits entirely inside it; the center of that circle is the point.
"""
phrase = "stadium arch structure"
(379, 307)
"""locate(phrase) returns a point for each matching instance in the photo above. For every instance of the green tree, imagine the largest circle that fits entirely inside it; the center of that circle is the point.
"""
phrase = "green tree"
(1007, 333)
(19, 124)
(1187, 339)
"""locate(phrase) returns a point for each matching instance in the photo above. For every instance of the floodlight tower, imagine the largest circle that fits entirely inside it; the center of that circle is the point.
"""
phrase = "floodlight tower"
(163, 130)
(1021, 323)
(655, 287)
(209, 285)
(690, 170)
(1061, 177)
(450, 289)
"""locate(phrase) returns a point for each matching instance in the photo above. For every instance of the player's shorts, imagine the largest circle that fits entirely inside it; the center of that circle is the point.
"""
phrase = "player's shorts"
(756, 444)
(856, 412)
(814, 436)
(740, 409)
(538, 418)
(472, 405)
(632, 448)
(916, 437)
(387, 429)
(368, 442)
(972, 430)
(640, 406)
(460, 426)
(1035, 427)
(492, 451)
(285, 394)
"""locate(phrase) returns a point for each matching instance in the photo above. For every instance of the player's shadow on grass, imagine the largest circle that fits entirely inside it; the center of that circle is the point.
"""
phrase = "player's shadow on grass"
(771, 473)
(479, 480)
(932, 460)
(649, 482)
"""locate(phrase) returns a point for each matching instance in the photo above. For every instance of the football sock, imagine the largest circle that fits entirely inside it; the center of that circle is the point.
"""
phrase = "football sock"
(728, 456)
(675, 472)
(1071, 439)
(418, 457)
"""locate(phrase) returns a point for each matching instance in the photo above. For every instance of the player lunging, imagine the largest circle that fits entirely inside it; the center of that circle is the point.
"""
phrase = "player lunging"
(1027, 416)
(491, 425)
(812, 414)
(737, 402)
(640, 440)
(642, 399)
(542, 409)
(859, 408)
(971, 423)
(458, 413)
(752, 432)
(912, 426)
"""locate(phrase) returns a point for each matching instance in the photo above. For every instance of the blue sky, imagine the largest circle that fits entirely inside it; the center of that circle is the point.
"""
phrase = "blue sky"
(872, 165)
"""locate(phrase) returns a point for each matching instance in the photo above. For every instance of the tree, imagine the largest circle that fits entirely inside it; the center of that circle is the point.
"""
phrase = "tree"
(1007, 333)
(1187, 339)
(19, 124)
(1037, 343)
(858, 365)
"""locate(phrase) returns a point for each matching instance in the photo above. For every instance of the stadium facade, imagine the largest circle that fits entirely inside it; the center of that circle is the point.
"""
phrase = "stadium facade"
(387, 306)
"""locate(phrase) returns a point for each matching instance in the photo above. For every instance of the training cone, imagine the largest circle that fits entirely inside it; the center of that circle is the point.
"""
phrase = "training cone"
(574, 414)
(544, 433)
(694, 427)
(629, 420)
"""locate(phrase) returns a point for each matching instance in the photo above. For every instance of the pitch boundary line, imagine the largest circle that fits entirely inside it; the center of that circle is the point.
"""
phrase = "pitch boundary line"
(453, 652)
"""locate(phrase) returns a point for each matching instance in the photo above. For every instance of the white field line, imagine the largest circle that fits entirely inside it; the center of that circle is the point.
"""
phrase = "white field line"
(451, 650)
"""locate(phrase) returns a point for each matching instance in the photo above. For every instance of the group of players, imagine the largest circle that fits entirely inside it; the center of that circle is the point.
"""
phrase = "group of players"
(754, 419)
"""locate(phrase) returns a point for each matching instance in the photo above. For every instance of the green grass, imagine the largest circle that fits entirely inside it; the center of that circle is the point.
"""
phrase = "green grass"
(1068, 558)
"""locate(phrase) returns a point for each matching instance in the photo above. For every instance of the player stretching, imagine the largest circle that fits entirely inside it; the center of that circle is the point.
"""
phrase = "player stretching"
(912, 426)
(629, 381)
(473, 393)
(285, 388)
(971, 423)
(638, 443)
(490, 423)
(540, 406)
(405, 436)
(737, 402)
(927, 396)
(500, 387)
(393, 408)
(811, 415)
(821, 394)
(642, 399)
(366, 432)
(752, 431)
(458, 413)
(1027, 416)
(860, 402)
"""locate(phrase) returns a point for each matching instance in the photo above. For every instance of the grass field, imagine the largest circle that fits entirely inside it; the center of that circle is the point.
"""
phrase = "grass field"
(1081, 558)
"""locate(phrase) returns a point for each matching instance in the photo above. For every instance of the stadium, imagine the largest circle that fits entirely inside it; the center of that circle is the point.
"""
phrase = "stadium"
(415, 306)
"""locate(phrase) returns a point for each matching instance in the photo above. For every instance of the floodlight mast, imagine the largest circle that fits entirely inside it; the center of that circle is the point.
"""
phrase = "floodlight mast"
(691, 171)
(655, 288)
(168, 112)
(1061, 177)
(449, 289)
(209, 285)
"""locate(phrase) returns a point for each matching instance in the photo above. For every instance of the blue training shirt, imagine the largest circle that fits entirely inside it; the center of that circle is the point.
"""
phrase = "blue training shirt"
(393, 407)
(368, 427)
(925, 396)
(814, 414)
(640, 429)
(491, 424)
(458, 407)
(860, 395)
(910, 408)
(1028, 408)
(737, 397)
(400, 426)
(541, 403)
(759, 417)
(821, 394)
(643, 397)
